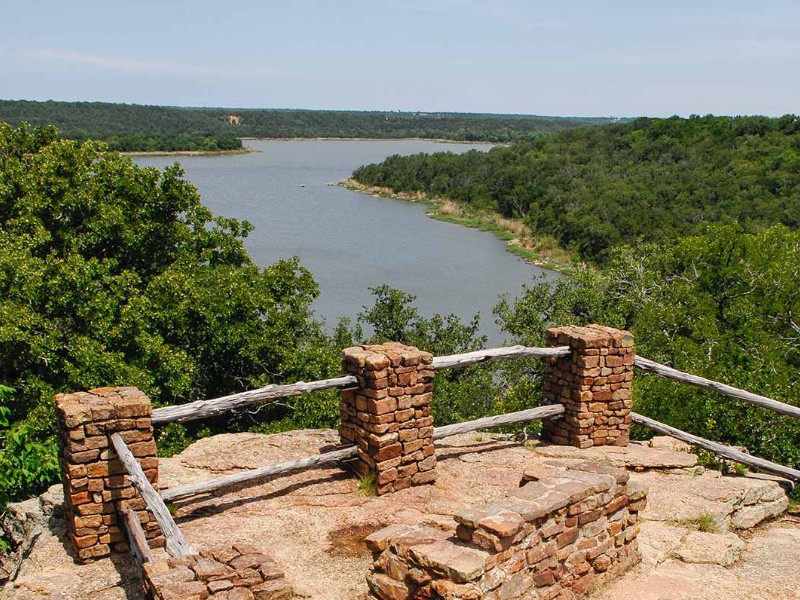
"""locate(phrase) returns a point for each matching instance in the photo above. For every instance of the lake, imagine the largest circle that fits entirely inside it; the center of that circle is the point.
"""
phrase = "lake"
(351, 241)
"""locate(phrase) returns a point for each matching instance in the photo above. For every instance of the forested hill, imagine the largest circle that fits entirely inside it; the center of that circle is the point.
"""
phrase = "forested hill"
(649, 179)
(115, 122)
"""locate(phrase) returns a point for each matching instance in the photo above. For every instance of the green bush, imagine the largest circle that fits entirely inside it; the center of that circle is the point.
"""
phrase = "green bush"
(28, 463)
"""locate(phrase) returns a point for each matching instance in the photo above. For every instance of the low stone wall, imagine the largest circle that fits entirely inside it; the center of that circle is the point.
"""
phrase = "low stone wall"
(562, 534)
(388, 416)
(237, 572)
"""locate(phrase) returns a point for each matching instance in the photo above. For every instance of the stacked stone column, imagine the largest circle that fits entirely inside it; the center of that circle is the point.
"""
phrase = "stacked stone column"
(593, 383)
(96, 486)
(388, 415)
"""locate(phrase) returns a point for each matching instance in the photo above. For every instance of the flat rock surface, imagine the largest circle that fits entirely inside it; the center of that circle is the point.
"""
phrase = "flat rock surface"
(767, 569)
(725, 500)
(636, 456)
(315, 522)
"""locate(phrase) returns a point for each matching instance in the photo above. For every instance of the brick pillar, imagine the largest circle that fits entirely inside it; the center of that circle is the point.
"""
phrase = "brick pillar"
(388, 415)
(593, 383)
(96, 487)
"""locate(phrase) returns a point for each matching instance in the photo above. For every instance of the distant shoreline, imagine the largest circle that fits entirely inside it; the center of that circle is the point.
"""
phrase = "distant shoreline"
(245, 150)
(250, 149)
(363, 139)
(537, 251)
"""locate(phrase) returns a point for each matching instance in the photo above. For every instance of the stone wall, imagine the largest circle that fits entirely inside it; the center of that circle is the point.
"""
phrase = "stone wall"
(388, 415)
(593, 383)
(96, 486)
(562, 534)
(237, 572)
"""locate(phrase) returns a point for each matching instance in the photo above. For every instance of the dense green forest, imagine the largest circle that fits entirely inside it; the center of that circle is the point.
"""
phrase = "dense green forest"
(114, 274)
(649, 179)
(152, 142)
(137, 127)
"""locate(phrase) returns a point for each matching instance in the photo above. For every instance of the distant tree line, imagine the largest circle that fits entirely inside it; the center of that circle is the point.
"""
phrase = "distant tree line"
(137, 142)
(649, 179)
(105, 121)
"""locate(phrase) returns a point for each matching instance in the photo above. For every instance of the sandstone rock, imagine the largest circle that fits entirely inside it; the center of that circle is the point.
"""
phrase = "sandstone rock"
(22, 523)
(665, 442)
(461, 564)
(634, 456)
(709, 548)
(272, 590)
(298, 518)
(387, 588)
(190, 590)
(748, 517)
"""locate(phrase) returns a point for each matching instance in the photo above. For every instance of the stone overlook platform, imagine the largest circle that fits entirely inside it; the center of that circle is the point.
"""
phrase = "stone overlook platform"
(315, 523)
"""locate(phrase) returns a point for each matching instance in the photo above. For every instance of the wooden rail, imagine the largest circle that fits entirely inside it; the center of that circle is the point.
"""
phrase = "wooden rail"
(202, 409)
(479, 356)
(254, 475)
(136, 539)
(532, 414)
(176, 544)
(675, 375)
(717, 448)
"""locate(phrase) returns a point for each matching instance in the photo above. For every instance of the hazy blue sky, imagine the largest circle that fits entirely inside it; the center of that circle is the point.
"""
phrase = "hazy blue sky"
(563, 57)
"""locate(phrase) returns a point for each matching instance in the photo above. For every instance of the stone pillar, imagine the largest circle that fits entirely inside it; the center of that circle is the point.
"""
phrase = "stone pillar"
(96, 486)
(593, 383)
(388, 415)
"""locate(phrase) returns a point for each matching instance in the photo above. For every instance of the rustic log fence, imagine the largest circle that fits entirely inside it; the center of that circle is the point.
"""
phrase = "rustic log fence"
(203, 409)
(136, 538)
(719, 449)
(208, 408)
(727, 390)
(387, 389)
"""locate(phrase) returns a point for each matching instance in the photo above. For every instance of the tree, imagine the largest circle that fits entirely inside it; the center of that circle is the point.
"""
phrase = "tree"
(112, 274)
(722, 305)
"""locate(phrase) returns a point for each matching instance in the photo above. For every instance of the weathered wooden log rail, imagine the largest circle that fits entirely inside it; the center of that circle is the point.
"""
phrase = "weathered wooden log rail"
(203, 409)
(719, 449)
(176, 545)
(137, 539)
(708, 384)
(481, 356)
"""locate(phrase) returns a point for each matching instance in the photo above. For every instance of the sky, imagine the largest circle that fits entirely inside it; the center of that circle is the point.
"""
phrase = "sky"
(556, 57)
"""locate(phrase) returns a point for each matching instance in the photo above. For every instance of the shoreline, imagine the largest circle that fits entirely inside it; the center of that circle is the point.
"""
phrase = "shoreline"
(244, 150)
(250, 149)
(367, 139)
(537, 251)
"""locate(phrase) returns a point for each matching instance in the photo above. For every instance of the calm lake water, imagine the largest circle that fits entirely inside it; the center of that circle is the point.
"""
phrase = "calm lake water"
(351, 241)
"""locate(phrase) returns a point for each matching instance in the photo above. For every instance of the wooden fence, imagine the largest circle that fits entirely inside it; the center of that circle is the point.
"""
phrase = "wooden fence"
(208, 408)
(176, 545)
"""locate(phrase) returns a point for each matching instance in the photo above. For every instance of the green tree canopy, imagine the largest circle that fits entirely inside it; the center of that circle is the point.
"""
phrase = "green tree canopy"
(599, 187)
(115, 274)
(723, 305)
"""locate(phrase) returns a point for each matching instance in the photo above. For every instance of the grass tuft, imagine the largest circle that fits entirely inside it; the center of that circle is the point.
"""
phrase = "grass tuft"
(367, 484)
(702, 522)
